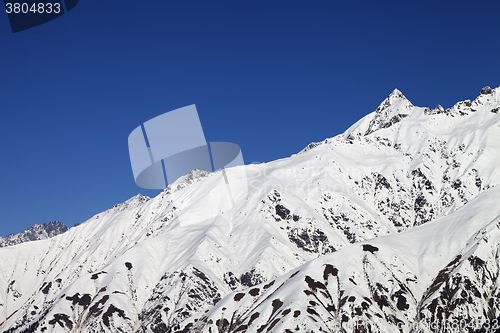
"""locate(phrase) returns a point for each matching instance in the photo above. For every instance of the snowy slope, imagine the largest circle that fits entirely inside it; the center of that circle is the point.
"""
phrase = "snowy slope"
(431, 277)
(149, 264)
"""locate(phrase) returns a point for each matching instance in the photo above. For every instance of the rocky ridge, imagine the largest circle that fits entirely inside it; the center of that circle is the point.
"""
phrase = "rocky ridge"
(35, 232)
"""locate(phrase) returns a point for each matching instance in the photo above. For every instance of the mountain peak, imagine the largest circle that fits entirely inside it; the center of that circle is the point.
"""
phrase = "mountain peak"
(392, 110)
(192, 177)
(394, 96)
(133, 202)
(35, 232)
(395, 99)
(486, 91)
(396, 92)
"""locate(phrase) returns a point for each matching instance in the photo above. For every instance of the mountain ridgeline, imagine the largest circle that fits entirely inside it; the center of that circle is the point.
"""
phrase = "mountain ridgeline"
(35, 232)
(392, 226)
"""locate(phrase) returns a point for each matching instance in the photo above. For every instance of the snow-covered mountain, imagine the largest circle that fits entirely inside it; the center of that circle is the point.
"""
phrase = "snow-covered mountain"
(393, 222)
(439, 277)
(35, 232)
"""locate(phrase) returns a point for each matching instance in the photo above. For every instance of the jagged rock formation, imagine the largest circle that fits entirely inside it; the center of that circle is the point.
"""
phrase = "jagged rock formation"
(350, 209)
(35, 232)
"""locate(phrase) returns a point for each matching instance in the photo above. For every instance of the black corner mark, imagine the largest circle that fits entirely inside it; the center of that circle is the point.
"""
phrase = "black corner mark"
(26, 14)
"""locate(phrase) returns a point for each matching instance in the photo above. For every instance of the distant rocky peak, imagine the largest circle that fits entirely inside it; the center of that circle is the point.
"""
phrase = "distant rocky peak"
(487, 101)
(35, 232)
(491, 95)
(193, 176)
(53, 228)
(486, 91)
(439, 108)
(196, 174)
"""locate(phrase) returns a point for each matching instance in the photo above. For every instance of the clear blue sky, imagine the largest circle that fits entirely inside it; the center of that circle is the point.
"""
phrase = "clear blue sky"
(270, 76)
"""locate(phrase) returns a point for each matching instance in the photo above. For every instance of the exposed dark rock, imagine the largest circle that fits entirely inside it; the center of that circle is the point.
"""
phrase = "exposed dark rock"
(222, 324)
(239, 296)
(251, 278)
(486, 91)
(282, 211)
(46, 287)
(231, 280)
(254, 291)
(96, 275)
(329, 270)
(268, 284)
(82, 301)
(63, 320)
(314, 241)
(96, 309)
(370, 248)
(277, 303)
(109, 313)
